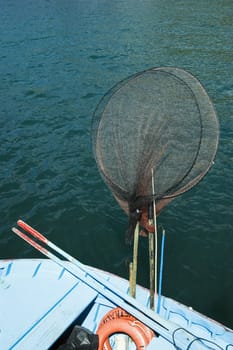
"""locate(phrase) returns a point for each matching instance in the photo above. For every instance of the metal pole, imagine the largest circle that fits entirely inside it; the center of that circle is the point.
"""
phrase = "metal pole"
(156, 233)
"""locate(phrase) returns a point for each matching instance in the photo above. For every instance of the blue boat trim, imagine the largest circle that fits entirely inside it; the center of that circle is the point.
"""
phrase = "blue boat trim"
(8, 269)
(62, 273)
(36, 270)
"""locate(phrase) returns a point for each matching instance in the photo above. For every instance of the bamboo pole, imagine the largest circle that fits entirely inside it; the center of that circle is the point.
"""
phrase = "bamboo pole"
(152, 269)
(134, 264)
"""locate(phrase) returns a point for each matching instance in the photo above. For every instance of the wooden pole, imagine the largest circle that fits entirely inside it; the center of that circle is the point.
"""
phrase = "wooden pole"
(134, 264)
(152, 269)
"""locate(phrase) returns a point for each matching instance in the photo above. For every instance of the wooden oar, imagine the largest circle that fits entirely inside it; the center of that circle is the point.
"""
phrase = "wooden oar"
(151, 319)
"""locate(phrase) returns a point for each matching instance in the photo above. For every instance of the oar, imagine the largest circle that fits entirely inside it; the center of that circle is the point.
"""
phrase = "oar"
(151, 319)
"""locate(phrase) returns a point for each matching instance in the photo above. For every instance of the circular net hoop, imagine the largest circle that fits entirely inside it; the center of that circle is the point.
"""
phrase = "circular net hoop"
(160, 119)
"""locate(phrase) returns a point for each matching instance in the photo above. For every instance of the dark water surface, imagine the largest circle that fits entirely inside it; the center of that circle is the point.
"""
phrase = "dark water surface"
(57, 58)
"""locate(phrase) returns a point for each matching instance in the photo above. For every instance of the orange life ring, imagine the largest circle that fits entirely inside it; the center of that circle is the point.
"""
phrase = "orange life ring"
(119, 321)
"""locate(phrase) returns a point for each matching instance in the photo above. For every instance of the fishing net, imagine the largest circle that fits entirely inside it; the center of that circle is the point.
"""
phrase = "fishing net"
(160, 119)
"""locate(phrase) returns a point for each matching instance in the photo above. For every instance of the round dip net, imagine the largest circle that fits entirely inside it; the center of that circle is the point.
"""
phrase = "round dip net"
(158, 121)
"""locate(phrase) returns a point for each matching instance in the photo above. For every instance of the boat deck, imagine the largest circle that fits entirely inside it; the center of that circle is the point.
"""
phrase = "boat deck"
(39, 300)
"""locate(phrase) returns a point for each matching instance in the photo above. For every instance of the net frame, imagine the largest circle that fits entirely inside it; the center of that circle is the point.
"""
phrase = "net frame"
(208, 121)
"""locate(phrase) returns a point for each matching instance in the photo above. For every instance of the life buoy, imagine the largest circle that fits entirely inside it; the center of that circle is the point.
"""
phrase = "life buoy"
(119, 321)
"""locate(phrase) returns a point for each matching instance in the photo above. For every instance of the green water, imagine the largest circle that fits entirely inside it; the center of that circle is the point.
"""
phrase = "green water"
(57, 59)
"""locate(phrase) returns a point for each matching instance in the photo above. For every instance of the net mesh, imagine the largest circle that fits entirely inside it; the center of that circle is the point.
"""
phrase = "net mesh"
(160, 119)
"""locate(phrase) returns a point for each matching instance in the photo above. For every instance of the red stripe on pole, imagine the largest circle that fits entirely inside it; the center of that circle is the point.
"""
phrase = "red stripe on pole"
(31, 242)
(32, 231)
